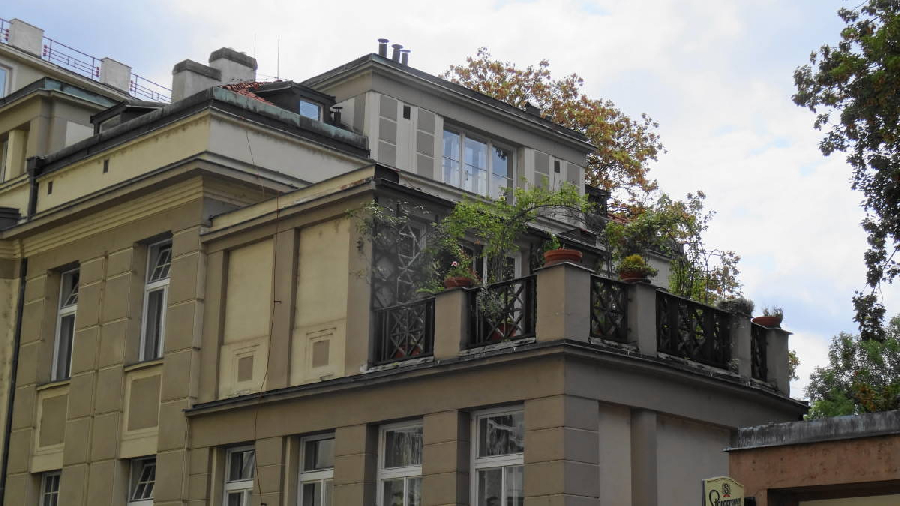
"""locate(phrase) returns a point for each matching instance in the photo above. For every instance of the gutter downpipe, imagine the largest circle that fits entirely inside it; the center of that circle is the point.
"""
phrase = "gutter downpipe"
(14, 370)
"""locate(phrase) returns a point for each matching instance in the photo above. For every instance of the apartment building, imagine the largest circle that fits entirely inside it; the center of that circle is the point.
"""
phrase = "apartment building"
(193, 317)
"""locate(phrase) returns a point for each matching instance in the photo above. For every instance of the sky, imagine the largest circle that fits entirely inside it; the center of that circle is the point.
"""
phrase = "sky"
(717, 76)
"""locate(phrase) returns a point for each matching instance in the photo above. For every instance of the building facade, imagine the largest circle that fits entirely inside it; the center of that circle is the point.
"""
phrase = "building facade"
(192, 316)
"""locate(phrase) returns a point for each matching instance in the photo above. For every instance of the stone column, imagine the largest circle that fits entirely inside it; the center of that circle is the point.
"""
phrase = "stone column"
(563, 302)
(445, 463)
(355, 464)
(642, 317)
(16, 149)
(285, 289)
(777, 359)
(213, 320)
(643, 458)
(359, 341)
(451, 322)
(741, 345)
(562, 451)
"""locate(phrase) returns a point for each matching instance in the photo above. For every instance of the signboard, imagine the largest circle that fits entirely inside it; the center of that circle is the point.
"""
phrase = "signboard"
(722, 491)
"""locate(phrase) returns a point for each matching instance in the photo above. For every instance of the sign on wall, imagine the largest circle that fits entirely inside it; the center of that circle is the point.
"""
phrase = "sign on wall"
(722, 491)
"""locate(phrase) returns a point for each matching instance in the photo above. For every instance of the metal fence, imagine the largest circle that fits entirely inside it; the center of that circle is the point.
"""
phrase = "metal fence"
(609, 309)
(503, 311)
(405, 331)
(759, 367)
(691, 330)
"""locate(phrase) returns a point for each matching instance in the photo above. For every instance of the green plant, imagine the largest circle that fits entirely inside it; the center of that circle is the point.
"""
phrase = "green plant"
(461, 267)
(737, 305)
(635, 265)
(776, 312)
(552, 243)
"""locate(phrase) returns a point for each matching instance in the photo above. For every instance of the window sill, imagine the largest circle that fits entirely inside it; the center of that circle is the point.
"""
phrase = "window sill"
(53, 384)
(143, 365)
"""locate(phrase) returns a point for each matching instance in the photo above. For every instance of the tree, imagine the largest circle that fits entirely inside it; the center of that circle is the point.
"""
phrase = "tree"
(857, 80)
(862, 375)
(625, 146)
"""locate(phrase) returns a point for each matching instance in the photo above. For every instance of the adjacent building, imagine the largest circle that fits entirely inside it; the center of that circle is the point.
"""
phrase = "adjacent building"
(192, 316)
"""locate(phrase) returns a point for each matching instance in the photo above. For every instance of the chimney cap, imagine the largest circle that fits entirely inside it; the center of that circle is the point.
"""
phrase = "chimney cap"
(383, 40)
(230, 54)
(197, 68)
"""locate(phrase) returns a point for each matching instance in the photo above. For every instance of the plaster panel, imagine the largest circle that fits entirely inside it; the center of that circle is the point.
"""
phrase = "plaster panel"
(248, 300)
(679, 439)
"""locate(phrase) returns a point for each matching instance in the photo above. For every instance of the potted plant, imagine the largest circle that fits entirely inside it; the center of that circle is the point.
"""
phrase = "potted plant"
(554, 253)
(635, 268)
(737, 305)
(771, 317)
(460, 274)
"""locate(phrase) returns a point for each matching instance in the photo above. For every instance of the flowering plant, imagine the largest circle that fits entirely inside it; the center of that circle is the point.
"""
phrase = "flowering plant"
(462, 267)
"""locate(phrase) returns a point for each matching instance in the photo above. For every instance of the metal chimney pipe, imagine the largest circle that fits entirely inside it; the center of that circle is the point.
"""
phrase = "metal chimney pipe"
(382, 47)
(395, 55)
(404, 57)
(336, 115)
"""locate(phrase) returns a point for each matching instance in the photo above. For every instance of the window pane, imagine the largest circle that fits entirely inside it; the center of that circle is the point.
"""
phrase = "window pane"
(160, 262)
(318, 454)
(241, 465)
(328, 500)
(69, 289)
(403, 447)
(501, 434)
(143, 479)
(501, 172)
(153, 324)
(312, 494)
(393, 493)
(3, 74)
(476, 167)
(490, 487)
(515, 495)
(64, 346)
(235, 499)
(309, 109)
(413, 491)
(451, 158)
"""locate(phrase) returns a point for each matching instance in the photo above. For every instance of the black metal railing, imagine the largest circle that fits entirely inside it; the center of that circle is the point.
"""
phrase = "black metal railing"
(503, 311)
(759, 367)
(609, 309)
(691, 330)
(405, 331)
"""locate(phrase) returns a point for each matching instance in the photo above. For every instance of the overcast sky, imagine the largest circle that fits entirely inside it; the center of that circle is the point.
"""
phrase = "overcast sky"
(717, 76)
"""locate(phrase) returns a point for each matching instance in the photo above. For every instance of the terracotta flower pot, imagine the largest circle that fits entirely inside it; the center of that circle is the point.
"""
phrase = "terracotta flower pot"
(458, 282)
(558, 255)
(768, 321)
(633, 277)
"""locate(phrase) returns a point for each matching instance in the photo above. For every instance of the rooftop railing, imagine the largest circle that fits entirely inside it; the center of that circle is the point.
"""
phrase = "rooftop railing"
(405, 331)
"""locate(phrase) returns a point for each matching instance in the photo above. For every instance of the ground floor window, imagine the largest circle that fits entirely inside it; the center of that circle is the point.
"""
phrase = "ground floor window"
(240, 467)
(400, 465)
(142, 482)
(498, 457)
(317, 471)
(50, 488)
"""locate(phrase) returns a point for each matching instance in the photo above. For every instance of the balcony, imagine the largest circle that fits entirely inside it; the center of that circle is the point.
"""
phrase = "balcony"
(568, 302)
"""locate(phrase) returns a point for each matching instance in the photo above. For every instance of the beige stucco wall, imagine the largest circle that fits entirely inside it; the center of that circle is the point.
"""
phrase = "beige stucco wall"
(688, 452)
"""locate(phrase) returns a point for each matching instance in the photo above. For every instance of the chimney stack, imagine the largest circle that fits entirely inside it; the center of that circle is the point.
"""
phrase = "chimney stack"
(395, 55)
(235, 67)
(382, 47)
(404, 57)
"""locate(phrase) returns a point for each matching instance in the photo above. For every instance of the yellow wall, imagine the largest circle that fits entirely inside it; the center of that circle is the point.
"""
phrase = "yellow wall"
(320, 314)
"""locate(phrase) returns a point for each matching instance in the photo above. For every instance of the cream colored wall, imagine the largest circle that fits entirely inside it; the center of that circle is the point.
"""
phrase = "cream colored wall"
(22, 75)
(320, 313)
(678, 480)
(130, 160)
(248, 317)
(615, 455)
(9, 295)
(881, 500)
(15, 195)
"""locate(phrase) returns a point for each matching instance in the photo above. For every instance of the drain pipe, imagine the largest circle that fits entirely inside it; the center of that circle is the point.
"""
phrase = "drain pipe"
(13, 371)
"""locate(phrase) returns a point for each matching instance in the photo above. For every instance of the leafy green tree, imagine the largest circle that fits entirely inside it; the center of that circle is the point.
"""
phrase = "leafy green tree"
(857, 82)
(625, 146)
(862, 375)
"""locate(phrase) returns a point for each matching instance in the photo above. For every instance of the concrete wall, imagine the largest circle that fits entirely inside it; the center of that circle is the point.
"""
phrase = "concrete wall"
(679, 484)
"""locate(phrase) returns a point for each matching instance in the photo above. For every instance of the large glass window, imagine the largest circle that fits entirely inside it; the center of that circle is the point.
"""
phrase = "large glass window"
(65, 325)
(477, 166)
(240, 467)
(156, 292)
(400, 465)
(50, 488)
(142, 482)
(498, 462)
(317, 471)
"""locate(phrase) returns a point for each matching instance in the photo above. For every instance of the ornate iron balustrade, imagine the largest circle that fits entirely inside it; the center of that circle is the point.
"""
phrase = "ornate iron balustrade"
(691, 330)
(405, 331)
(503, 311)
(609, 308)
(759, 367)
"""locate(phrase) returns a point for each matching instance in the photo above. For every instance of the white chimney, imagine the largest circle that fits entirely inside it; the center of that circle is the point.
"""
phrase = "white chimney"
(235, 67)
(190, 77)
(27, 37)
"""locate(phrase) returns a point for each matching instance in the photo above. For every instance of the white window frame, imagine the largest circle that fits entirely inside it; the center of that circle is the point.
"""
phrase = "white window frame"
(150, 287)
(137, 465)
(393, 473)
(244, 486)
(5, 80)
(64, 311)
(492, 462)
(491, 144)
(318, 475)
(50, 498)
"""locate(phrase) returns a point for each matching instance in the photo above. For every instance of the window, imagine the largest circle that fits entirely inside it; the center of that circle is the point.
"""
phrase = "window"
(50, 488)
(156, 289)
(317, 471)
(309, 109)
(65, 325)
(4, 76)
(240, 466)
(498, 461)
(400, 465)
(4, 148)
(476, 166)
(143, 478)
